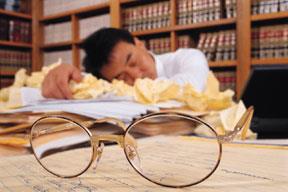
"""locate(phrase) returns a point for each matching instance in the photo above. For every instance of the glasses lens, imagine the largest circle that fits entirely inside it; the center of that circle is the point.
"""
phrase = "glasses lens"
(176, 150)
(57, 141)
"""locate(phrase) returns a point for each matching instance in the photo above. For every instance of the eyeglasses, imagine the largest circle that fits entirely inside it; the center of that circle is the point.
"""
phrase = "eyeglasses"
(180, 151)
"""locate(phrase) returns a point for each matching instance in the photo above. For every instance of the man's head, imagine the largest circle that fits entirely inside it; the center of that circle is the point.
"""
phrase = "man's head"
(114, 53)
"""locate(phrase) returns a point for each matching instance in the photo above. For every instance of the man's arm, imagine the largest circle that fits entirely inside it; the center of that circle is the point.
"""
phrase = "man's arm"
(186, 66)
(56, 82)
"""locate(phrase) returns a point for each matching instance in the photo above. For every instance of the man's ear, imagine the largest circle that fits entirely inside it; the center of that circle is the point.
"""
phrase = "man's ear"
(139, 43)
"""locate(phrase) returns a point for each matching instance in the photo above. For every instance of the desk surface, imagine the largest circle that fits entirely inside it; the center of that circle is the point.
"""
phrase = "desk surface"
(242, 169)
(6, 151)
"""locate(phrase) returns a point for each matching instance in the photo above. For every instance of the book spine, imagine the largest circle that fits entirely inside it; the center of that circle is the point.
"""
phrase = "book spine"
(218, 46)
(146, 17)
(270, 42)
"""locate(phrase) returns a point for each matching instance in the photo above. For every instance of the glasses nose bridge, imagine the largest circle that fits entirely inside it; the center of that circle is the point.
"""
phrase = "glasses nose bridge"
(119, 139)
(98, 139)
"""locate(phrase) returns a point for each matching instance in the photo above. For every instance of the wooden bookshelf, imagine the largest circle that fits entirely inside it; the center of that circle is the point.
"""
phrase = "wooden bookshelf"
(209, 24)
(243, 45)
(11, 45)
(270, 61)
(126, 1)
(227, 63)
(243, 24)
(15, 14)
(269, 16)
(15, 44)
(152, 31)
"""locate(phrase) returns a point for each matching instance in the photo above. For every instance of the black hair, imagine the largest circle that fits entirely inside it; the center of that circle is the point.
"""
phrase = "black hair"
(99, 46)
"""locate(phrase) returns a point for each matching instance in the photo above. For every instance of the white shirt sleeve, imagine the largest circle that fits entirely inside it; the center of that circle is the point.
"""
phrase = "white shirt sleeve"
(186, 66)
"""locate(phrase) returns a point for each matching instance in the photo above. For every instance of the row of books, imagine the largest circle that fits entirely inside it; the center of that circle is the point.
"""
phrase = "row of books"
(270, 41)
(53, 56)
(185, 41)
(227, 79)
(268, 6)
(91, 24)
(23, 6)
(15, 30)
(11, 60)
(58, 6)
(195, 11)
(59, 32)
(231, 8)
(218, 46)
(6, 82)
(158, 45)
(154, 15)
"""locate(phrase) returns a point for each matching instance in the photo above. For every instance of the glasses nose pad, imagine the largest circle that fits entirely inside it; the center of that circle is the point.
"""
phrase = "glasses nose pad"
(133, 156)
(98, 154)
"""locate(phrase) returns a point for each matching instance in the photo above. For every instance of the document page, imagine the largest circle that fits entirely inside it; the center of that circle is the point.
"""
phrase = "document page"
(243, 167)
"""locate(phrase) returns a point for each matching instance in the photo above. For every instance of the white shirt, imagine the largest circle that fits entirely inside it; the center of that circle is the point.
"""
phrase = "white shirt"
(183, 66)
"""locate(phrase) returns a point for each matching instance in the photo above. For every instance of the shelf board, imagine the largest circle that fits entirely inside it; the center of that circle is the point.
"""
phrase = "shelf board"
(79, 42)
(122, 2)
(152, 31)
(270, 61)
(126, 1)
(57, 45)
(15, 14)
(15, 44)
(7, 73)
(75, 12)
(220, 22)
(270, 16)
(228, 63)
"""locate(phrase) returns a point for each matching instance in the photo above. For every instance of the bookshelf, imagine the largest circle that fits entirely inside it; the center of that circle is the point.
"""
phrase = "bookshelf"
(270, 61)
(15, 41)
(243, 25)
(74, 17)
(269, 16)
(15, 14)
(15, 44)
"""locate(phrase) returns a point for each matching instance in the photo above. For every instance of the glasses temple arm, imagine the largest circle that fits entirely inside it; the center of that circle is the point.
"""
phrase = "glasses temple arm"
(243, 124)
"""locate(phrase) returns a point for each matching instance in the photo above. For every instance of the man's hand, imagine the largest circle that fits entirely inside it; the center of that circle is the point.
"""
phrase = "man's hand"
(56, 82)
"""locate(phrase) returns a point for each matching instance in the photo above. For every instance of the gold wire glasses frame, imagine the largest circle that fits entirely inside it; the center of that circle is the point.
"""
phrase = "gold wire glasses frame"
(128, 142)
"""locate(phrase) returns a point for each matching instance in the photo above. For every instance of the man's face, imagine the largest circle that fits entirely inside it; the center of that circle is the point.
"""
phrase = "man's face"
(129, 62)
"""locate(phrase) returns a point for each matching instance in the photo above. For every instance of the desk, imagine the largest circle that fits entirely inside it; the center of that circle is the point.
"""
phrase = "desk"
(243, 168)
(6, 151)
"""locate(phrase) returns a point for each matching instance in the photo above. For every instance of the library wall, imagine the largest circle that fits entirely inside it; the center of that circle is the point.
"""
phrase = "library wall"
(15, 38)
